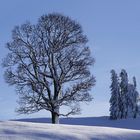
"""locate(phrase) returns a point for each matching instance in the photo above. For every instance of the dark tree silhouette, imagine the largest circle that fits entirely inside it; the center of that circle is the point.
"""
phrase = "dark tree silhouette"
(49, 65)
(115, 96)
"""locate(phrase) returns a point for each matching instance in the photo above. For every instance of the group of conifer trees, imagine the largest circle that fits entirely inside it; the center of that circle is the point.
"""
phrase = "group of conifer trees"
(124, 97)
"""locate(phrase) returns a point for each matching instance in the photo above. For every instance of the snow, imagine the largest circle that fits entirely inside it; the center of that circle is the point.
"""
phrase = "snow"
(98, 128)
(13, 130)
(129, 123)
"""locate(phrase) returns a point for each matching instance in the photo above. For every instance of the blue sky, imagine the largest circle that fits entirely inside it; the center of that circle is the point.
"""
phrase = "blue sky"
(113, 30)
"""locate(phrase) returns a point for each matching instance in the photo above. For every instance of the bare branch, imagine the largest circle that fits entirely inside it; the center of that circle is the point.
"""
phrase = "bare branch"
(49, 65)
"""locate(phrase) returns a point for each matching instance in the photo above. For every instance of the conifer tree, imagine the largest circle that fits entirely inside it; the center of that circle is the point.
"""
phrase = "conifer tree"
(135, 99)
(132, 99)
(131, 103)
(115, 96)
(124, 97)
(124, 94)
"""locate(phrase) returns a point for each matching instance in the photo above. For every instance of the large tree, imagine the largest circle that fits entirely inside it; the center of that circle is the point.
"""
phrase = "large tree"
(49, 65)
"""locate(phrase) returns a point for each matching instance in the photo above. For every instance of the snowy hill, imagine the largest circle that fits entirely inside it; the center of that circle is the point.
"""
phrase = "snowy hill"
(92, 121)
(39, 131)
(102, 129)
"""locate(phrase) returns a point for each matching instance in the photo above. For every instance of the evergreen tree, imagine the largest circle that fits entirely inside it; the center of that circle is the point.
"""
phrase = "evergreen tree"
(124, 97)
(135, 99)
(124, 94)
(131, 103)
(115, 96)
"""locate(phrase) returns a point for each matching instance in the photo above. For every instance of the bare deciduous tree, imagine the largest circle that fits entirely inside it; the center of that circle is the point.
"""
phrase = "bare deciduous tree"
(49, 65)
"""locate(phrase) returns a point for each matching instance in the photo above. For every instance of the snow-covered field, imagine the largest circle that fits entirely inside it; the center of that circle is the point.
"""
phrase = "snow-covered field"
(92, 121)
(101, 130)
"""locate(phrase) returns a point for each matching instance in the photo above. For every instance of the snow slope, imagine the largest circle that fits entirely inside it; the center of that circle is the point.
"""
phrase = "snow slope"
(92, 121)
(14, 130)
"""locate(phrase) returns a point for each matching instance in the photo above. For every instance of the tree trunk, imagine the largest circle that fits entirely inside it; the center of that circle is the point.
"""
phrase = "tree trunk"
(55, 118)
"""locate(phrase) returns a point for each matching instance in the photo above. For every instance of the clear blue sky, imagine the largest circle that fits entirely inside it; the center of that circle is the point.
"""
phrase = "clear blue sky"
(113, 30)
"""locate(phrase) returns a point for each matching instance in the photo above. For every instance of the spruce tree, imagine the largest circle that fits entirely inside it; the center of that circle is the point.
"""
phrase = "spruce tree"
(124, 94)
(124, 97)
(115, 96)
(131, 103)
(135, 99)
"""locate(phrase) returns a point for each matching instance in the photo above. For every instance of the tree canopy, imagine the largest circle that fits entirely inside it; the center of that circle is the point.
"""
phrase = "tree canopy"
(49, 64)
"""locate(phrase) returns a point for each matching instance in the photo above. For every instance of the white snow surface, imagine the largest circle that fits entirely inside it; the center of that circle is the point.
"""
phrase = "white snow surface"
(17, 130)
